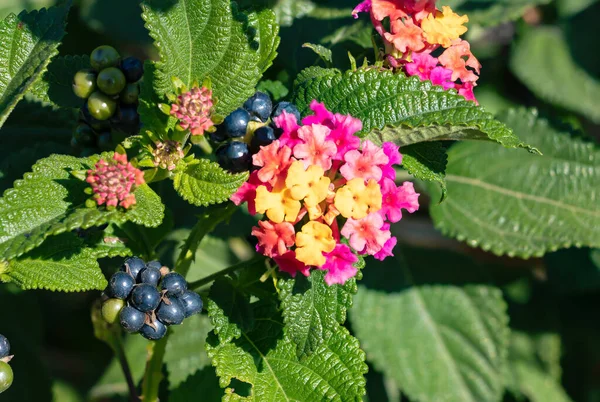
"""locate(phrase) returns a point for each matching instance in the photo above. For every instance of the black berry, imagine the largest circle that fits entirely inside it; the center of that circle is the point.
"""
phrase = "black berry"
(131, 319)
(120, 285)
(103, 57)
(84, 135)
(145, 297)
(236, 123)
(218, 136)
(155, 333)
(234, 156)
(288, 107)
(6, 376)
(4, 347)
(192, 303)
(111, 81)
(127, 119)
(174, 284)
(133, 68)
(84, 83)
(259, 105)
(263, 136)
(134, 265)
(101, 106)
(171, 313)
(150, 275)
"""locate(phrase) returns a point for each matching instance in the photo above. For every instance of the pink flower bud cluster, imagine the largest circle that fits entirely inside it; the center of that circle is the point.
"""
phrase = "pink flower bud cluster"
(114, 181)
(193, 109)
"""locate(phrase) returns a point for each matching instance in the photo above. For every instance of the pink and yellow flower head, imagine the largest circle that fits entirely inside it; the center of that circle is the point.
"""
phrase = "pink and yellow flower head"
(416, 29)
(113, 181)
(317, 177)
(194, 109)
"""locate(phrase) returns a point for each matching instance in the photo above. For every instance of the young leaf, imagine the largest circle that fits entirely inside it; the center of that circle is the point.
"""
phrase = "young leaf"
(554, 76)
(27, 44)
(519, 204)
(275, 89)
(210, 38)
(321, 51)
(56, 85)
(312, 310)
(264, 357)
(403, 110)
(437, 342)
(50, 200)
(61, 263)
(206, 183)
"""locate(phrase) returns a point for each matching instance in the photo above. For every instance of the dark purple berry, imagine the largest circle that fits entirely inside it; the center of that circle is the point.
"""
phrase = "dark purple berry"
(131, 319)
(192, 302)
(234, 157)
(120, 285)
(156, 333)
(4, 347)
(150, 275)
(218, 136)
(145, 297)
(263, 136)
(133, 68)
(84, 135)
(171, 313)
(236, 123)
(174, 284)
(289, 108)
(135, 265)
(259, 105)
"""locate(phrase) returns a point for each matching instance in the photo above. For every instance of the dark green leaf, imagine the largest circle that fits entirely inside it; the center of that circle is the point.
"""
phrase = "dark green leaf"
(427, 161)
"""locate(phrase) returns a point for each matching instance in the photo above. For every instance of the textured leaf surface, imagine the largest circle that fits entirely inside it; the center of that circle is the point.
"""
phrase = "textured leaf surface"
(437, 342)
(61, 263)
(207, 38)
(56, 85)
(519, 204)
(206, 183)
(27, 43)
(49, 200)
(554, 76)
(312, 310)
(399, 109)
(427, 161)
(264, 357)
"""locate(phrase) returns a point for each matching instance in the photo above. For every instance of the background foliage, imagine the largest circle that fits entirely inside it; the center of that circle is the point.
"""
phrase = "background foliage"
(492, 295)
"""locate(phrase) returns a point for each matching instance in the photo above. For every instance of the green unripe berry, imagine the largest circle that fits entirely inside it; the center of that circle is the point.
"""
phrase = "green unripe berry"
(103, 57)
(111, 309)
(130, 94)
(6, 376)
(111, 81)
(101, 106)
(84, 83)
(84, 135)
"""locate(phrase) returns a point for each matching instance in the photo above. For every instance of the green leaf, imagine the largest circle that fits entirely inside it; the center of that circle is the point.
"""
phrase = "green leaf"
(206, 183)
(403, 110)
(321, 51)
(427, 161)
(27, 44)
(61, 263)
(554, 76)
(56, 85)
(34, 122)
(489, 13)
(312, 310)
(16, 6)
(204, 382)
(50, 200)
(288, 10)
(264, 357)
(567, 8)
(275, 89)
(359, 32)
(439, 342)
(208, 38)
(519, 204)
(533, 369)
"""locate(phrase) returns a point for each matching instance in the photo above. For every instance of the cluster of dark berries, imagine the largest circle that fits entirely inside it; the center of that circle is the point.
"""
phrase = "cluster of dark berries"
(6, 373)
(147, 298)
(110, 89)
(248, 128)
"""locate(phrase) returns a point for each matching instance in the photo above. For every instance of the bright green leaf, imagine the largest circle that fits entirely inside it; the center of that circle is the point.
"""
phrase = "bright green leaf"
(50, 200)
(206, 183)
(321, 51)
(56, 85)
(403, 110)
(27, 44)
(210, 38)
(519, 204)
(61, 263)
(553, 76)
(275, 89)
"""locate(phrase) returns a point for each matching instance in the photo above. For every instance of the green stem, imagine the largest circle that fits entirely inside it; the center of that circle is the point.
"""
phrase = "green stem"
(120, 352)
(204, 145)
(204, 281)
(153, 375)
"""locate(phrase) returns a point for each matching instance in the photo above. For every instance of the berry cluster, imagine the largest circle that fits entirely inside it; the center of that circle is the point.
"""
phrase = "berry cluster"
(110, 89)
(6, 373)
(248, 128)
(154, 296)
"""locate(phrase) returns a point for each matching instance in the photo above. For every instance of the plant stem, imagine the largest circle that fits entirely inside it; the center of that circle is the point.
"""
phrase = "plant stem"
(120, 351)
(153, 375)
(201, 282)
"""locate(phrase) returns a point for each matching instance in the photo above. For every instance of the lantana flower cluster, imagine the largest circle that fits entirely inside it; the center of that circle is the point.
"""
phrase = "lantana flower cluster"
(193, 109)
(326, 195)
(113, 181)
(417, 29)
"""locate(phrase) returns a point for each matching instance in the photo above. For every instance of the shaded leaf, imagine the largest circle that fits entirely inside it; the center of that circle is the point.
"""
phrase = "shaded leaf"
(427, 161)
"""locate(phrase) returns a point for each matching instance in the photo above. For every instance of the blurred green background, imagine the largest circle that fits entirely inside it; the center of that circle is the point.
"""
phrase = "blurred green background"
(535, 53)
